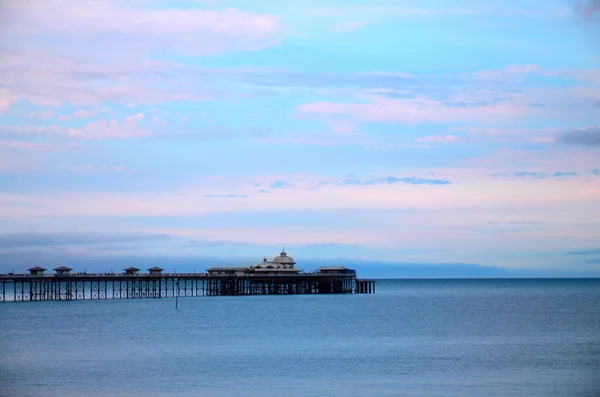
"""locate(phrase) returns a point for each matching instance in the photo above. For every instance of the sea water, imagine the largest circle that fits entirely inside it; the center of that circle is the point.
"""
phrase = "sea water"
(411, 338)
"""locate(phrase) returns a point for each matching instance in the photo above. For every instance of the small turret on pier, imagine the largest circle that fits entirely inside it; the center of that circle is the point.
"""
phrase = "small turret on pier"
(36, 271)
(155, 271)
(62, 270)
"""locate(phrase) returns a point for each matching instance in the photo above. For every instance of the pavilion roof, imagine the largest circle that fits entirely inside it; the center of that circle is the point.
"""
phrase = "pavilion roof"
(36, 268)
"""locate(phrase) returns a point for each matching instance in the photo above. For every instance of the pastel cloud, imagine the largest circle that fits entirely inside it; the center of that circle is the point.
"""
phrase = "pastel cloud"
(7, 98)
(348, 26)
(438, 139)
(38, 146)
(55, 80)
(28, 240)
(588, 8)
(90, 168)
(508, 72)
(120, 37)
(391, 180)
(586, 137)
(192, 30)
(103, 129)
(279, 185)
(412, 111)
(225, 196)
(585, 252)
(537, 175)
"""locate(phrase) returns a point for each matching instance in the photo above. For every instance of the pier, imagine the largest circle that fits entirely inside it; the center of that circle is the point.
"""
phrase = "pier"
(278, 276)
(66, 286)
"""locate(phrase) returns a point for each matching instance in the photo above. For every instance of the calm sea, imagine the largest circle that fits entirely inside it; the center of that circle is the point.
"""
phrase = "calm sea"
(411, 338)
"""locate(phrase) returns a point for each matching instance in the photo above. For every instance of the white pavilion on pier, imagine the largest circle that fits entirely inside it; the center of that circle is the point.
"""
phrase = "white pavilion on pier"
(281, 264)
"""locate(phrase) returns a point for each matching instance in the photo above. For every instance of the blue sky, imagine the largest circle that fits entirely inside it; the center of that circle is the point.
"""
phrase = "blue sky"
(421, 132)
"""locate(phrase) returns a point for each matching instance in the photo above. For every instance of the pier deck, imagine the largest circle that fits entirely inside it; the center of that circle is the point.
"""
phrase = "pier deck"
(84, 286)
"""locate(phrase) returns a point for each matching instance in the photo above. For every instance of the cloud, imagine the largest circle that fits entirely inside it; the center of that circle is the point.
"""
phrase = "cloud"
(38, 146)
(379, 109)
(347, 26)
(596, 171)
(543, 139)
(586, 137)
(279, 185)
(562, 174)
(536, 175)
(392, 147)
(438, 139)
(24, 240)
(225, 196)
(588, 8)
(390, 180)
(82, 113)
(90, 168)
(527, 223)
(585, 252)
(508, 72)
(393, 11)
(7, 98)
(103, 129)
(117, 28)
(399, 75)
(42, 114)
(52, 80)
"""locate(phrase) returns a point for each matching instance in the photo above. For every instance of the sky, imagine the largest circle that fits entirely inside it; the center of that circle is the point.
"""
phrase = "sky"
(450, 134)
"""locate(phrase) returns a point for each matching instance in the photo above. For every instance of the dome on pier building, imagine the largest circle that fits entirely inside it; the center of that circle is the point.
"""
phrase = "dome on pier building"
(284, 259)
(280, 264)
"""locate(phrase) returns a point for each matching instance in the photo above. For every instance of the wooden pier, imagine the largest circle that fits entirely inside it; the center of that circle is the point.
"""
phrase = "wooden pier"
(64, 286)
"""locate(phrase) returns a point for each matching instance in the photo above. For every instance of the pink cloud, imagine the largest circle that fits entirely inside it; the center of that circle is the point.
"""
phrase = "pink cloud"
(343, 127)
(414, 111)
(103, 129)
(439, 139)
(390, 74)
(190, 30)
(390, 147)
(508, 72)
(53, 80)
(42, 114)
(86, 168)
(38, 146)
(7, 98)
(502, 195)
(90, 168)
(543, 139)
(82, 113)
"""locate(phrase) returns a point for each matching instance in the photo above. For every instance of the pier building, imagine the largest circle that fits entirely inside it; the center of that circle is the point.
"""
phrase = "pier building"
(281, 264)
